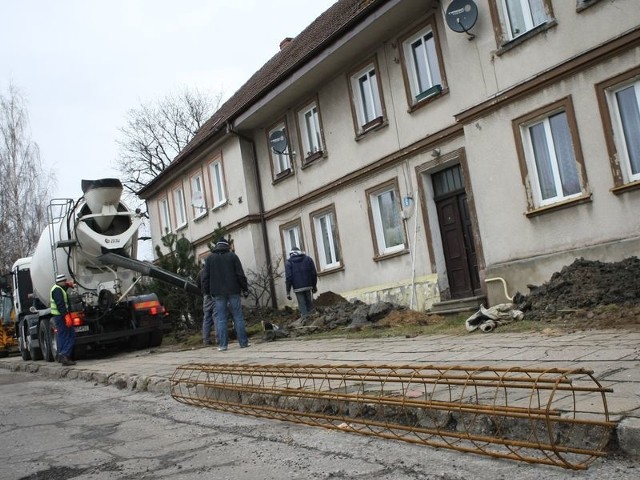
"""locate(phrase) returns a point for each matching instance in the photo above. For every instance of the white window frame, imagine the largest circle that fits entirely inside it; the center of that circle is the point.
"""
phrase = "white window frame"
(292, 236)
(217, 183)
(528, 13)
(197, 186)
(377, 217)
(429, 58)
(365, 87)
(310, 128)
(165, 216)
(281, 161)
(326, 240)
(550, 135)
(619, 134)
(180, 207)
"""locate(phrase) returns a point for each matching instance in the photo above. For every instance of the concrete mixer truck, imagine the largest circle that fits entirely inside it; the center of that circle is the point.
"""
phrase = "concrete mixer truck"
(93, 241)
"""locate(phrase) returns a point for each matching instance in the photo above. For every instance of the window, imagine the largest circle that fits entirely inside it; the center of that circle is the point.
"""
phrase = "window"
(384, 215)
(326, 239)
(310, 131)
(620, 101)
(198, 201)
(367, 103)
(217, 183)
(550, 145)
(291, 237)
(515, 18)
(280, 160)
(178, 203)
(165, 219)
(422, 65)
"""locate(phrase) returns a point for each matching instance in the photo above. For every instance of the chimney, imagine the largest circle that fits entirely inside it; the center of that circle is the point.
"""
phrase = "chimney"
(285, 42)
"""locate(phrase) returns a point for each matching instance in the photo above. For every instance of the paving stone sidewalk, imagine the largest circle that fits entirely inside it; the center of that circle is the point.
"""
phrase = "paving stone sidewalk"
(613, 356)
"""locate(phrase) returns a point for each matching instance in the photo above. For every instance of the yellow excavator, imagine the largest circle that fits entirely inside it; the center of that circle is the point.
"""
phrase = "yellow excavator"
(8, 344)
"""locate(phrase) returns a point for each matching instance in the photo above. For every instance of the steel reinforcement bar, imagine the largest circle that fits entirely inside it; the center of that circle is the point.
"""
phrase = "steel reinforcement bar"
(548, 416)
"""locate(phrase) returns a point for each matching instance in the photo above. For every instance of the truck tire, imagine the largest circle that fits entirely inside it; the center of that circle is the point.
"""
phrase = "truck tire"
(155, 338)
(53, 339)
(35, 352)
(22, 344)
(45, 340)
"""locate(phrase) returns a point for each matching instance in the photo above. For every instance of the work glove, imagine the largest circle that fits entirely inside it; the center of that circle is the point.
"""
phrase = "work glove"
(67, 320)
(314, 290)
(288, 296)
(245, 294)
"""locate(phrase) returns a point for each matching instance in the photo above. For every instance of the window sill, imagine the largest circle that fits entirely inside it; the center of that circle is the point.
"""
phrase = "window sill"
(627, 187)
(511, 44)
(559, 206)
(282, 175)
(372, 126)
(427, 99)
(586, 4)
(201, 216)
(387, 256)
(181, 227)
(313, 158)
(220, 205)
(331, 270)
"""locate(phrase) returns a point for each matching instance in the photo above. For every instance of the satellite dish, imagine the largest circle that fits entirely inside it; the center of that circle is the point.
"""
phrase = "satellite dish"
(278, 141)
(197, 200)
(461, 15)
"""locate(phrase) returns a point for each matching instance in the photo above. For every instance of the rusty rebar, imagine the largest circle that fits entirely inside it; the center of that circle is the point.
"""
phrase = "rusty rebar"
(548, 416)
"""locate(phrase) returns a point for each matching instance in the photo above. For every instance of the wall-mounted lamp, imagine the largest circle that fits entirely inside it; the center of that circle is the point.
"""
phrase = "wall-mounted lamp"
(435, 152)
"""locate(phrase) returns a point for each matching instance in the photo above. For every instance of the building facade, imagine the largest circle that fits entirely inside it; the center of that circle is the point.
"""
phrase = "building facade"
(417, 162)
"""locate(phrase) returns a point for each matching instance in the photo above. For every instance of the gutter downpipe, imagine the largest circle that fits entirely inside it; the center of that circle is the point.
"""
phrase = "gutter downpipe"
(263, 222)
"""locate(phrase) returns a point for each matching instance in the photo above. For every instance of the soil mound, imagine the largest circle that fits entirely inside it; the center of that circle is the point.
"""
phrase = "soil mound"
(584, 285)
(328, 299)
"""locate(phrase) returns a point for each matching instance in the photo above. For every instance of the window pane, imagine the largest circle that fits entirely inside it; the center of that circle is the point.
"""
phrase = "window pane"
(326, 239)
(516, 17)
(543, 161)
(564, 154)
(390, 219)
(630, 116)
(432, 57)
(420, 64)
(538, 14)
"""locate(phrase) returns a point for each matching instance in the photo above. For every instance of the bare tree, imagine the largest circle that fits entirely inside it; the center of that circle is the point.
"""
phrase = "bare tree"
(155, 133)
(25, 184)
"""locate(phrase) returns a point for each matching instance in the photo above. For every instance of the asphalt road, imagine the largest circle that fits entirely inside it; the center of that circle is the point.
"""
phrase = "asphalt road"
(66, 429)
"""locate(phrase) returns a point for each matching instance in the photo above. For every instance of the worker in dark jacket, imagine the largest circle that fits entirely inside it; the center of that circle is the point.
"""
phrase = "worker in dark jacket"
(209, 311)
(224, 279)
(65, 332)
(301, 275)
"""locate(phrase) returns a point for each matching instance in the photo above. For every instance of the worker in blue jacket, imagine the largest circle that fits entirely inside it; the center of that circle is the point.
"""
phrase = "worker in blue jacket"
(65, 332)
(302, 277)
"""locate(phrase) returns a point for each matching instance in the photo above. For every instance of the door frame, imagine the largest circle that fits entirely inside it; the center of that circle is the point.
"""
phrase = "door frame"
(430, 216)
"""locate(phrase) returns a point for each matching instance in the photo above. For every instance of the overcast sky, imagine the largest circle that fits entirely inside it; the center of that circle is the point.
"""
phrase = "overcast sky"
(82, 64)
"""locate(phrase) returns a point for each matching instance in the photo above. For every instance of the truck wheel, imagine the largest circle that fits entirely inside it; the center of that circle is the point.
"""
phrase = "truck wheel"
(35, 352)
(155, 338)
(45, 342)
(22, 345)
(139, 342)
(53, 339)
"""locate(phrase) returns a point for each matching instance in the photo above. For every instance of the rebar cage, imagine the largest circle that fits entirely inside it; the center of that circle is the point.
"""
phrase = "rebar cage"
(547, 416)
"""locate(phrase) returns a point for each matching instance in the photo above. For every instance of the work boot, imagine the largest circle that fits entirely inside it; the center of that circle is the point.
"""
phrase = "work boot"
(66, 361)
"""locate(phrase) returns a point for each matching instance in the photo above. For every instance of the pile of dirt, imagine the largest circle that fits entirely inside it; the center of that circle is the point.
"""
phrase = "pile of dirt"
(586, 284)
(604, 295)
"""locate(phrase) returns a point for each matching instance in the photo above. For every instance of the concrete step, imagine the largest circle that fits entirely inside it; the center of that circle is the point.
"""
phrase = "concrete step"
(458, 305)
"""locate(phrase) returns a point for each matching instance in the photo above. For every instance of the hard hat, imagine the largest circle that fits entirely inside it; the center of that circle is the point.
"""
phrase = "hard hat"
(61, 278)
